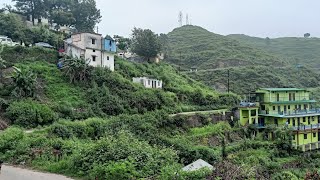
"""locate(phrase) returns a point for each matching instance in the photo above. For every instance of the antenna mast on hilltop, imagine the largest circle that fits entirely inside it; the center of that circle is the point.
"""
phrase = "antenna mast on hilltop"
(187, 19)
(180, 20)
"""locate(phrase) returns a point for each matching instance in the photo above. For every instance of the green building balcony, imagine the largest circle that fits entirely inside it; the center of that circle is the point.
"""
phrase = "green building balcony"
(306, 127)
(292, 113)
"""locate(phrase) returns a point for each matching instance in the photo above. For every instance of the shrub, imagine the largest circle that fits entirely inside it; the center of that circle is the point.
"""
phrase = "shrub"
(30, 114)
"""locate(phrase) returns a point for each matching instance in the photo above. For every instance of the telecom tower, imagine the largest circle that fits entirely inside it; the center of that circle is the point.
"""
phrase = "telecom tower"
(180, 20)
(187, 19)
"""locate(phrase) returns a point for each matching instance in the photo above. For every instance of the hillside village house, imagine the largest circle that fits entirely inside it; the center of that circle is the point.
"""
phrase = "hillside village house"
(98, 51)
(285, 107)
(148, 82)
(45, 22)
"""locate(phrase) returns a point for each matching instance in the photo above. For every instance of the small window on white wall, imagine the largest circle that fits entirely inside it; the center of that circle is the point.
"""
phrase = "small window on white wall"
(93, 41)
(108, 58)
(94, 50)
(94, 58)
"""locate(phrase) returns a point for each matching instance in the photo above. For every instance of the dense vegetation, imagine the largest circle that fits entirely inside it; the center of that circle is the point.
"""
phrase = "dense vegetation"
(303, 51)
(102, 93)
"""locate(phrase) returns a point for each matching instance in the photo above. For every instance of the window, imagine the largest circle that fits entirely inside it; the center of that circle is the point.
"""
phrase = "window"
(289, 121)
(278, 97)
(305, 136)
(294, 137)
(304, 119)
(148, 82)
(158, 83)
(94, 58)
(288, 106)
(274, 108)
(93, 41)
(94, 50)
(108, 58)
(314, 134)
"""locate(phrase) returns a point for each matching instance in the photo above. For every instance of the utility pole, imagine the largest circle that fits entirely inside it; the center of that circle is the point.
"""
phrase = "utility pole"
(228, 81)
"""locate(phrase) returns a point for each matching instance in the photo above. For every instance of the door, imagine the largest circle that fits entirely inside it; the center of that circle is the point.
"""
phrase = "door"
(279, 110)
(278, 97)
(153, 84)
(290, 97)
(285, 109)
(293, 122)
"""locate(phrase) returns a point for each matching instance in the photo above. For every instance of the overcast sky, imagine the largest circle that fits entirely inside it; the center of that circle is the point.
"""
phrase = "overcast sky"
(262, 18)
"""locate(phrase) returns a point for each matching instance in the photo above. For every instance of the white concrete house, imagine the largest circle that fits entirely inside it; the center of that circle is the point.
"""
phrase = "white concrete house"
(90, 46)
(148, 82)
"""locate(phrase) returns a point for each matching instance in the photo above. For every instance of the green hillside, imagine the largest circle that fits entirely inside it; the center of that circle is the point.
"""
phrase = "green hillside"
(194, 46)
(246, 79)
(304, 51)
(252, 65)
(106, 127)
(104, 93)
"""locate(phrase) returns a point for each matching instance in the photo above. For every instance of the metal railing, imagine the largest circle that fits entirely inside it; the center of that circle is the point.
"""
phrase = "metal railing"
(306, 127)
(293, 112)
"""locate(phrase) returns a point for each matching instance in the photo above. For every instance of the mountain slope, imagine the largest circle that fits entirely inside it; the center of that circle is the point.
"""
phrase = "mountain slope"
(304, 51)
(194, 46)
(251, 64)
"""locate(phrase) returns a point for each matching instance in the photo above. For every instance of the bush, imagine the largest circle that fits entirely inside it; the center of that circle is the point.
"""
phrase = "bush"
(30, 114)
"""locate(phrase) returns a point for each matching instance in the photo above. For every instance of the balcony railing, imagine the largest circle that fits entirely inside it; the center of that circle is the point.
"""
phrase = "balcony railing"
(293, 112)
(297, 98)
(306, 127)
(295, 128)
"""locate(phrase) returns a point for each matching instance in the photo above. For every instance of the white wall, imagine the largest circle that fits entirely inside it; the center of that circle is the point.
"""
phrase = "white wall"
(146, 82)
(88, 56)
(108, 63)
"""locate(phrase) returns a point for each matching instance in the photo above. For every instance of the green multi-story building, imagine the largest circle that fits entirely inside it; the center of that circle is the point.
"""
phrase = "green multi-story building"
(291, 107)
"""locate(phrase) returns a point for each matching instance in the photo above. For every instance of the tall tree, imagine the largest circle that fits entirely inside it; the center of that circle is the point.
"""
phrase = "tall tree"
(35, 8)
(145, 43)
(12, 26)
(86, 15)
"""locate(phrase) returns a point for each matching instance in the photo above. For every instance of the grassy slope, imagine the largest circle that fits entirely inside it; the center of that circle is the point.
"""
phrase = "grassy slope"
(59, 94)
(303, 50)
(206, 50)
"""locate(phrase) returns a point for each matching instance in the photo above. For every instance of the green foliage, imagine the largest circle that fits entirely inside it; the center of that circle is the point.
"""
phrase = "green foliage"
(77, 69)
(298, 51)
(145, 43)
(24, 82)
(28, 113)
(12, 26)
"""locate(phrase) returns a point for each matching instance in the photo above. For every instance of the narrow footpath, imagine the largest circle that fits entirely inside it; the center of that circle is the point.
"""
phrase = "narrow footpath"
(15, 173)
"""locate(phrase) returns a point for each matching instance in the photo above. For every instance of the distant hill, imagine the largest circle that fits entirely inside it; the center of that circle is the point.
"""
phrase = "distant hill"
(194, 46)
(304, 51)
(253, 62)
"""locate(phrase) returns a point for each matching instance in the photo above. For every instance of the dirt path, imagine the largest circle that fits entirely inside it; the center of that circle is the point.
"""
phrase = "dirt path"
(14, 173)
